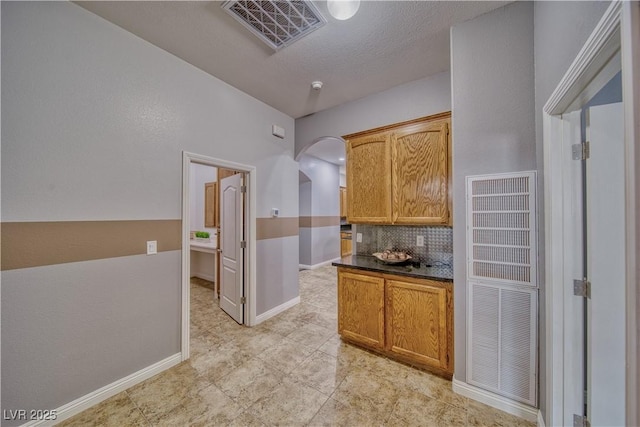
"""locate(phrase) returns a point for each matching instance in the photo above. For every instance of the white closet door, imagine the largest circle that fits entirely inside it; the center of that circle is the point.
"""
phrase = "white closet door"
(606, 266)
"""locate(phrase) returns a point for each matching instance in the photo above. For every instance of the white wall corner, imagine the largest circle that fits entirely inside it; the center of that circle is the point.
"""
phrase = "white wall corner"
(540, 419)
(320, 264)
(276, 310)
(496, 401)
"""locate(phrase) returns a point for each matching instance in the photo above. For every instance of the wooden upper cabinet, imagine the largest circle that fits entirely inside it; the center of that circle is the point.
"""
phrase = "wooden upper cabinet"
(369, 178)
(401, 174)
(210, 204)
(420, 173)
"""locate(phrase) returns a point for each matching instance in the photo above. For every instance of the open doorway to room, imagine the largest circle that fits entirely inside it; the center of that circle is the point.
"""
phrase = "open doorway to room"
(323, 229)
(218, 243)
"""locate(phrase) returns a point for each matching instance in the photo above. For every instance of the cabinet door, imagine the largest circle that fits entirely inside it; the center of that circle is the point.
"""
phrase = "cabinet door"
(361, 308)
(417, 322)
(420, 159)
(343, 202)
(345, 244)
(369, 179)
(210, 208)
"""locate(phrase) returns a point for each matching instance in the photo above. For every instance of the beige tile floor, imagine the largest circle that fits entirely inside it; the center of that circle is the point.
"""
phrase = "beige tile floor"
(291, 370)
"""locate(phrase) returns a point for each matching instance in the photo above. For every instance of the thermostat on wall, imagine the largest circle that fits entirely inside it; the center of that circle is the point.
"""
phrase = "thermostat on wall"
(277, 131)
(275, 212)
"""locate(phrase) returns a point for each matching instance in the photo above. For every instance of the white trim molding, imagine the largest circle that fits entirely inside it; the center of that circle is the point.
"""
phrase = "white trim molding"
(85, 402)
(277, 310)
(540, 419)
(601, 45)
(617, 33)
(630, 40)
(495, 400)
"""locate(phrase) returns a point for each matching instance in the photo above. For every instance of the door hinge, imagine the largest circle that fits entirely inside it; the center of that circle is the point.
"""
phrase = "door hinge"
(243, 244)
(243, 300)
(582, 288)
(580, 421)
(580, 151)
(243, 188)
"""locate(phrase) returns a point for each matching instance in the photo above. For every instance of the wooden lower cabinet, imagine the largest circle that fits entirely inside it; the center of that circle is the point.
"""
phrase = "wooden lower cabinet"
(417, 325)
(417, 317)
(345, 244)
(361, 309)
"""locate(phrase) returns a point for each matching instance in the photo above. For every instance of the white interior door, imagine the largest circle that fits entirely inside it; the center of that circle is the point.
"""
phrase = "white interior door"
(232, 253)
(605, 207)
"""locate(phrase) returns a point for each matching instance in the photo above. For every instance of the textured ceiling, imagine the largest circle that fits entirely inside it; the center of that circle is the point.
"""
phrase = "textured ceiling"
(385, 44)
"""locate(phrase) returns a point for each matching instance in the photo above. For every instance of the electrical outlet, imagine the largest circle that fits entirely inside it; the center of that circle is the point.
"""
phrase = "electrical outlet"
(358, 237)
(420, 241)
(152, 247)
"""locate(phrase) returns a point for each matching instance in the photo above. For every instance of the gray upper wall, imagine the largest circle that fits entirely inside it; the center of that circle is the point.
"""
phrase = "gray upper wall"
(94, 123)
(492, 77)
(412, 100)
(95, 119)
(325, 186)
(322, 196)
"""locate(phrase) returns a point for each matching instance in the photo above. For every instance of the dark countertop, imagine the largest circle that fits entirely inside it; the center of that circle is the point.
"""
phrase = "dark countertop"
(370, 263)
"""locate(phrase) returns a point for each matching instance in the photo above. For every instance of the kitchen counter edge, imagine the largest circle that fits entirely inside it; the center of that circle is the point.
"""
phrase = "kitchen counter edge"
(369, 263)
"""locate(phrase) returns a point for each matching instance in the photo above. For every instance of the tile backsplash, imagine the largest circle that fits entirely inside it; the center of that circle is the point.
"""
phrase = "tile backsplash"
(438, 241)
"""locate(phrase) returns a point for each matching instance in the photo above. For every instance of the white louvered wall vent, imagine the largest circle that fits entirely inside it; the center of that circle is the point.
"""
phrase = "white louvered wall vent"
(502, 340)
(501, 228)
(277, 23)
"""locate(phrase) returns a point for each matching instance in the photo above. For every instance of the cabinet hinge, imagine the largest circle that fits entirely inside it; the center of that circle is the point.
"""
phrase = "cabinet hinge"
(243, 244)
(243, 188)
(580, 151)
(582, 288)
(580, 421)
(243, 300)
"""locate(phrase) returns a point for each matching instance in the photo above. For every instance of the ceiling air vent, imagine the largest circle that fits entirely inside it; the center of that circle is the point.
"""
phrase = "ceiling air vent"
(277, 23)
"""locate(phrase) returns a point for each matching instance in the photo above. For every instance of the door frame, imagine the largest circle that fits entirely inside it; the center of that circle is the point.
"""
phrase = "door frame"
(250, 229)
(586, 75)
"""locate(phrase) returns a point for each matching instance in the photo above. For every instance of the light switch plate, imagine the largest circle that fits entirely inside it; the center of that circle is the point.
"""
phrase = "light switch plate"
(420, 241)
(152, 247)
(358, 237)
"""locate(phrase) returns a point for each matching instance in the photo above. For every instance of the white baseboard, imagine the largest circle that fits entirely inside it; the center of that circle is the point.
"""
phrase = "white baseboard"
(496, 401)
(276, 310)
(85, 402)
(321, 264)
(540, 420)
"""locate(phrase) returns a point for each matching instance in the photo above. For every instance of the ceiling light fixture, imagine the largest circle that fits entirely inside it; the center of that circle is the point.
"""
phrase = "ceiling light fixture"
(317, 85)
(343, 9)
